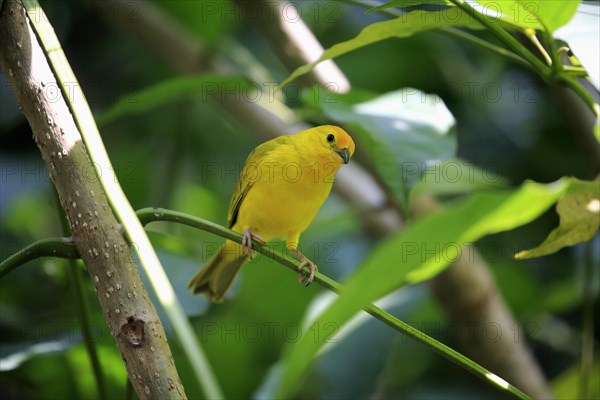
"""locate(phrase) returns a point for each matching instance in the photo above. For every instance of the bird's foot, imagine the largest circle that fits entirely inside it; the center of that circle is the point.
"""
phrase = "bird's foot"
(304, 262)
(247, 241)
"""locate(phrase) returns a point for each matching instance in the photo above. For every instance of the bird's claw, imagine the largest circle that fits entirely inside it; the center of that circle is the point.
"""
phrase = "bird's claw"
(302, 275)
(304, 262)
(247, 241)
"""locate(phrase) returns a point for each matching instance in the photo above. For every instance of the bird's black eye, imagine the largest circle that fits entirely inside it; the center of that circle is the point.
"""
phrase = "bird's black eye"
(330, 138)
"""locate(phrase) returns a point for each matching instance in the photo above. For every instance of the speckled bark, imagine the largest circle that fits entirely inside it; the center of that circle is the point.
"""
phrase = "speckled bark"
(132, 319)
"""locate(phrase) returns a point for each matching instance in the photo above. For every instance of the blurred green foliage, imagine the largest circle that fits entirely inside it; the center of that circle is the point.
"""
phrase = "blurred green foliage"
(185, 152)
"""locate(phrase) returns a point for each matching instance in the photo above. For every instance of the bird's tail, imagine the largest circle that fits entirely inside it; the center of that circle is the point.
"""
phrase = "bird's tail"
(215, 277)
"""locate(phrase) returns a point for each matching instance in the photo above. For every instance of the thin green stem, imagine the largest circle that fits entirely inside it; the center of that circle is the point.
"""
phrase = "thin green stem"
(531, 35)
(556, 72)
(148, 215)
(557, 65)
(487, 45)
(551, 74)
(505, 37)
(64, 248)
(120, 204)
(575, 71)
(456, 33)
(551, 58)
(587, 343)
(52, 247)
(83, 309)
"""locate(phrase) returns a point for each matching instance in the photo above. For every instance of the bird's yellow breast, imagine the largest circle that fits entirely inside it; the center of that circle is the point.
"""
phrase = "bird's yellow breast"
(286, 193)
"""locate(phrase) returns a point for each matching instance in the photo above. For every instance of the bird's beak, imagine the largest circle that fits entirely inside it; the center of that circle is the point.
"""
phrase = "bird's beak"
(344, 154)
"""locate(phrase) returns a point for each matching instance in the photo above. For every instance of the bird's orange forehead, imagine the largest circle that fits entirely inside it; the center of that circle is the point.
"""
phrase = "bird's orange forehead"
(344, 140)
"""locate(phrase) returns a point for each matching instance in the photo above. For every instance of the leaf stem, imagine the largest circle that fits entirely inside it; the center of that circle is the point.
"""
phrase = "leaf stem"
(531, 35)
(575, 71)
(460, 34)
(148, 215)
(505, 37)
(552, 59)
(550, 74)
(555, 72)
(83, 311)
(487, 45)
(587, 342)
(52, 247)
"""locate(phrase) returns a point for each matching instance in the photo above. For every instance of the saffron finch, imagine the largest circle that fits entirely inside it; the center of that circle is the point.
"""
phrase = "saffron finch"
(283, 184)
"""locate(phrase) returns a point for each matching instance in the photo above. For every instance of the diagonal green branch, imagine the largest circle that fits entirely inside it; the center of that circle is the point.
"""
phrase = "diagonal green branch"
(61, 247)
(53, 247)
(148, 215)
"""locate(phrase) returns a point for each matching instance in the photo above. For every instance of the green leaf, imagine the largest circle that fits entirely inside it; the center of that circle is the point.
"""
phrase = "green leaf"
(567, 385)
(402, 132)
(419, 252)
(170, 90)
(408, 3)
(579, 212)
(457, 176)
(527, 13)
(404, 26)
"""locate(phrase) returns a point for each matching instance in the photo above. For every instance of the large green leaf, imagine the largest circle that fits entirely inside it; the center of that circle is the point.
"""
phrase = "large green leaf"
(170, 90)
(404, 26)
(521, 14)
(579, 212)
(419, 252)
(528, 13)
(403, 132)
(457, 176)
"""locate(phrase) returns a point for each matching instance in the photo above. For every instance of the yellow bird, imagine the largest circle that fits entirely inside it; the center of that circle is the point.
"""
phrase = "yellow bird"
(281, 187)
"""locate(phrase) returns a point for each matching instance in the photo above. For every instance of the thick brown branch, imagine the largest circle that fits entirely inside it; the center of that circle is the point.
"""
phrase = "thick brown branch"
(132, 319)
(292, 41)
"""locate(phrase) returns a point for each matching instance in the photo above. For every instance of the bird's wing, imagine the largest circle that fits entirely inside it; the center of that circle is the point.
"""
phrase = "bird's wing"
(245, 182)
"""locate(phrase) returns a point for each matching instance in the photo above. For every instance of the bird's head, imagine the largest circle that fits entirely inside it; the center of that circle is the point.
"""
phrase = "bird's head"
(332, 143)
